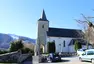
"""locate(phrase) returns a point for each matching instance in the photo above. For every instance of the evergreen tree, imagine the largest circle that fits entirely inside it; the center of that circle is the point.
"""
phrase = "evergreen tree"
(77, 45)
(16, 45)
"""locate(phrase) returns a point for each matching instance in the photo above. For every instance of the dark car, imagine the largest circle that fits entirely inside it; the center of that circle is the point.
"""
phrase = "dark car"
(53, 57)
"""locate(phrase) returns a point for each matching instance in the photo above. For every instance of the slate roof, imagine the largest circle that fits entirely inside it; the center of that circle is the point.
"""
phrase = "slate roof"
(43, 17)
(83, 42)
(60, 32)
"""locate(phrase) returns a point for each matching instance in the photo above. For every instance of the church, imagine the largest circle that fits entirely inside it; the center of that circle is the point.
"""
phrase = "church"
(64, 38)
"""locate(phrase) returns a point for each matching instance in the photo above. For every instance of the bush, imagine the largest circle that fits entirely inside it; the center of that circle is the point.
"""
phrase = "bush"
(3, 51)
(16, 45)
(26, 50)
(77, 45)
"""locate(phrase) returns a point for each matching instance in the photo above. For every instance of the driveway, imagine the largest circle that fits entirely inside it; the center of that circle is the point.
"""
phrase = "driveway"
(69, 60)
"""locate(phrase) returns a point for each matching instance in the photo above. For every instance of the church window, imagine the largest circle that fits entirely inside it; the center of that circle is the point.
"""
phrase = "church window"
(42, 26)
(53, 40)
(64, 43)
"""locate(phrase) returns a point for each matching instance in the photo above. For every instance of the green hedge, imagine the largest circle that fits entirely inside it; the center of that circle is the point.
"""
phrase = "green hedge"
(16, 45)
(27, 50)
(3, 51)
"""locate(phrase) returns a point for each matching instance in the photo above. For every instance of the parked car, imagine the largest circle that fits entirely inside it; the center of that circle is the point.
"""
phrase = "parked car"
(80, 51)
(87, 56)
(53, 57)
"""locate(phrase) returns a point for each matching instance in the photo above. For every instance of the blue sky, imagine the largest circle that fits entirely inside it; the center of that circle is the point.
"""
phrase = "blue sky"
(20, 16)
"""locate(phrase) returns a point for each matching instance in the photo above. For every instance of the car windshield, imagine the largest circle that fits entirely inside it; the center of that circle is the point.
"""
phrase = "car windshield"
(90, 53)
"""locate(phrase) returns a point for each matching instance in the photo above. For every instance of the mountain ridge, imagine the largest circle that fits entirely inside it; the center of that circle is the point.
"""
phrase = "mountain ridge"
(5, 40)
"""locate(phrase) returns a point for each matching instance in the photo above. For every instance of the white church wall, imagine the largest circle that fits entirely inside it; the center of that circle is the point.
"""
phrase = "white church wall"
(71, 48)
(84, 46)
(59, 41)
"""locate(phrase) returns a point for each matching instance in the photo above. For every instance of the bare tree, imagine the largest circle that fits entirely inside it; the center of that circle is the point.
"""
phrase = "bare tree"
(88, 29)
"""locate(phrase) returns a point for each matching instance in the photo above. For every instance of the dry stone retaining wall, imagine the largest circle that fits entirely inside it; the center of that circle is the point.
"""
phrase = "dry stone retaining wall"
(13, 57)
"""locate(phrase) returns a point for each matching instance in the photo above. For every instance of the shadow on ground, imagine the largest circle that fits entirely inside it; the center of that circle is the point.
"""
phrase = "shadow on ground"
(65, 60)
(86, 61)
(68, 56)
(57, 61)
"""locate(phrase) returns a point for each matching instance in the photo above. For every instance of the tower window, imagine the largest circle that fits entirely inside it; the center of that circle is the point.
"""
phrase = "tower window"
(53, 40)
(42, 26)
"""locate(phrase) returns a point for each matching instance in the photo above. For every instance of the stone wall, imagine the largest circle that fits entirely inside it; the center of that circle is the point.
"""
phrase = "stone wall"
(13, 57)
(9, 57)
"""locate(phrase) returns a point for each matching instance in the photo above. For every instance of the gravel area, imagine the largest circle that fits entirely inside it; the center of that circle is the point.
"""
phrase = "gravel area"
(69, 60)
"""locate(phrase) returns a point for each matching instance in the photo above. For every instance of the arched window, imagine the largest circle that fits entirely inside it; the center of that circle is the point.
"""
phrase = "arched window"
(54, 41)
(64, 43)
(42, 26)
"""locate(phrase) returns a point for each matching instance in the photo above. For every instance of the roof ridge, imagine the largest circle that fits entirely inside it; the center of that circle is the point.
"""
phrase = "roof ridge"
(65, 28)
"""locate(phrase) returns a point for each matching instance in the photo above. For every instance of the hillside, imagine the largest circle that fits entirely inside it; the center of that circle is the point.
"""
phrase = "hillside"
(5, 40)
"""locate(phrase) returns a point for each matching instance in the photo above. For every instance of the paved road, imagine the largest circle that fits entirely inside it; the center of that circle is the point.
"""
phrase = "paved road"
(69, 60)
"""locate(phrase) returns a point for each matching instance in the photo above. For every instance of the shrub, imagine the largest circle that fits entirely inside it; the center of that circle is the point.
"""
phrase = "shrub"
(51, 47)
(16, 45)
(3, 51)
(27, 50)
(77, 45)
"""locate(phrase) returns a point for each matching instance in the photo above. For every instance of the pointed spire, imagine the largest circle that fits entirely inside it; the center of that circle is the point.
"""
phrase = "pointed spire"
(43, 16)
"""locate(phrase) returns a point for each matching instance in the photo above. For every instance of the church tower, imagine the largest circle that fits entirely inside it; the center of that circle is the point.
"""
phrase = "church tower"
(42, 28)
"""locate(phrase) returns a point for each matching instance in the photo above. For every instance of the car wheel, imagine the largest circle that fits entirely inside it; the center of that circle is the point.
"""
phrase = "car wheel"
(80, 59)
(92, 60)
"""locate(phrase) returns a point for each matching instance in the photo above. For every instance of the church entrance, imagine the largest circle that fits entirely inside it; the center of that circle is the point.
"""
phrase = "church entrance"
(41, 48)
